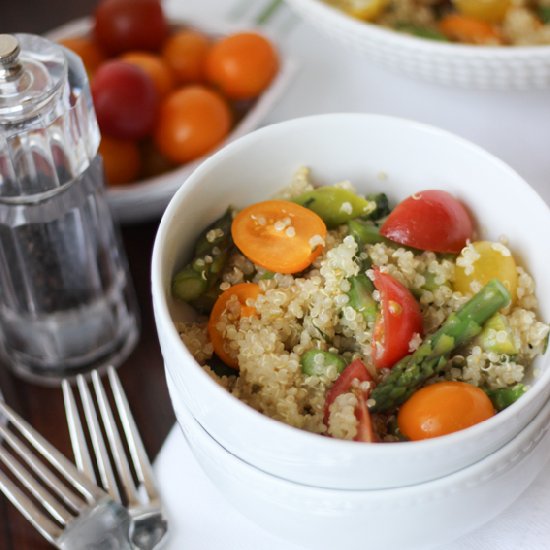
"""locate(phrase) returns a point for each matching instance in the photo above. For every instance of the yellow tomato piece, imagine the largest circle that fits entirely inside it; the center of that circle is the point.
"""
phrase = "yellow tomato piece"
(367, 10)
(482, 261)
(491, 11)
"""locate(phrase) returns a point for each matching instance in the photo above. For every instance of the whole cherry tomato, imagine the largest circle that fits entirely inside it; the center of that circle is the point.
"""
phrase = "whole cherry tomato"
(443, 408)
(398, 321)
(88, 50)
(125, 100)
(192, 121)
(242, 65)
(156, 67)
(430, 220)
(123, 25)
(121, 160)
(185, 53)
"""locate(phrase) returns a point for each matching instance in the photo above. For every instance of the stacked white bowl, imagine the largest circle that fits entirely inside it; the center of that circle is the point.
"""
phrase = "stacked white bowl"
(462, 65)
(327, 493)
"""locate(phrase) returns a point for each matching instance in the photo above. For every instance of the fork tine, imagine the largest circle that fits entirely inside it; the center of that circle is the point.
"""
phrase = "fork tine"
(49, 530)
(106, 474)
(119, 454)
(46, 476)
(46, 499)
(63, 466)
(76, 433)
(140, 460)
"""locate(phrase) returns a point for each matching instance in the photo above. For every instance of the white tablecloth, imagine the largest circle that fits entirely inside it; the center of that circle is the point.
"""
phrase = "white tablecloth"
(514, 126)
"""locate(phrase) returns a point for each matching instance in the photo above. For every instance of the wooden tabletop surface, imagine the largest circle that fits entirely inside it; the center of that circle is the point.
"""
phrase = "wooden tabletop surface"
(142, 374)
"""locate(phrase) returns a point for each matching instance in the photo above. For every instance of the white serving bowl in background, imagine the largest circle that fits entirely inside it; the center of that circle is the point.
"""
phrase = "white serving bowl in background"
(462, 65)
(375, 153)
(146, 199)
(419, 517)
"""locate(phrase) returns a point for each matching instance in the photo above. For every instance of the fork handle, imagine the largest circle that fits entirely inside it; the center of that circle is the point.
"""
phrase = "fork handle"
(104, 527)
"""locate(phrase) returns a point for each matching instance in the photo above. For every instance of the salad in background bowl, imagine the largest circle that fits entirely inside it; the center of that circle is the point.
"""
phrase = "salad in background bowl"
(461, 43)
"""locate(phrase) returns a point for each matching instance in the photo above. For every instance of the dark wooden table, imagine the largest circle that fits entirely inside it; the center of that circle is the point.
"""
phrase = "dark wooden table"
(142, 374)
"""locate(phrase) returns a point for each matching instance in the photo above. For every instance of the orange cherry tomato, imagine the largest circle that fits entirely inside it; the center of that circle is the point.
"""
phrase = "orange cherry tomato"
(243, 292)
(443, 408)
(192, 121)
(156, 67)
(121, 160)
(242, 65)
(280, 236)
(185, 52)
(88, 50)
(469, 30)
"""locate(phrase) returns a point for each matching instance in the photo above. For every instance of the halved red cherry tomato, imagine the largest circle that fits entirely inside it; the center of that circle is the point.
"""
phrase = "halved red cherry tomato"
(399, 319)
(356, 370)
(430, 220)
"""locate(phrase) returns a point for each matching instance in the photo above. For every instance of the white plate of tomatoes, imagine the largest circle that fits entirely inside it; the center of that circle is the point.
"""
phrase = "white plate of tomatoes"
(167, 94)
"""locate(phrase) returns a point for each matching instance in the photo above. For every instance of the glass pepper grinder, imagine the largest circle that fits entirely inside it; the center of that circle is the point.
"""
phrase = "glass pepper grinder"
(66, 300)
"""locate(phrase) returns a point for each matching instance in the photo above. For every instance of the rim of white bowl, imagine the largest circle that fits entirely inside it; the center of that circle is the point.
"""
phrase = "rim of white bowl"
(276, 426)
(408, 41)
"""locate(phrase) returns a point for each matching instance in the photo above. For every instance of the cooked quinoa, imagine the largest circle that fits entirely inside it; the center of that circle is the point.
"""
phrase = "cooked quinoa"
(512, 23)
(311, 311)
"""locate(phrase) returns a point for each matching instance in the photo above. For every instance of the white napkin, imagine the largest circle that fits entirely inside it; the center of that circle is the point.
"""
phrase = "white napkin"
(201, 519)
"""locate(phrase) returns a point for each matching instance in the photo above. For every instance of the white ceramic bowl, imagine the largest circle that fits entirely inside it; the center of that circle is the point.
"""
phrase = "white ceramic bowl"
(146, 199)
(465, 66)
(407, 518)
(375, 153)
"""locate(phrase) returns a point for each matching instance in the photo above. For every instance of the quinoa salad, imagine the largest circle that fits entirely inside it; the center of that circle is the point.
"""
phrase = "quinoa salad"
(481, 22)
(330, 311)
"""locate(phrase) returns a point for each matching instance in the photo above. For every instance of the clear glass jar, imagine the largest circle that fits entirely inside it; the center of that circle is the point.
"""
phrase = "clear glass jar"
(66, 300)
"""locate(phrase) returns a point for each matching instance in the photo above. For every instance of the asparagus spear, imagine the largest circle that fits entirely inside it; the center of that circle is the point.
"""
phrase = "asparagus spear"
(360, 296)
(504, 397)
(382, 206)
(197, 282)
(432, 355)
(335, 205)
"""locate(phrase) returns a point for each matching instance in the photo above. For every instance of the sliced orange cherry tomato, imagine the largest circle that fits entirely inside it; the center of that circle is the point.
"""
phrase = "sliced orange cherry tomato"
(356, 370)
(469, 30)
(429, 220)
(443, 408)
(243, 292)
(398, 321)
(280, 236)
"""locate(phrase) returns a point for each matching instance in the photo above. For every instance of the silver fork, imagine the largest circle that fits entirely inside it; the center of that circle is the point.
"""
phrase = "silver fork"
(148, 526)
(66, 508)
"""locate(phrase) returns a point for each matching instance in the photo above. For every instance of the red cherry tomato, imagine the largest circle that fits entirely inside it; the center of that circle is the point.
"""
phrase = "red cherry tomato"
(443, 408)
(124, 25)
(399, 319)
(356, 370)
(430, 220)
(125, 100)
